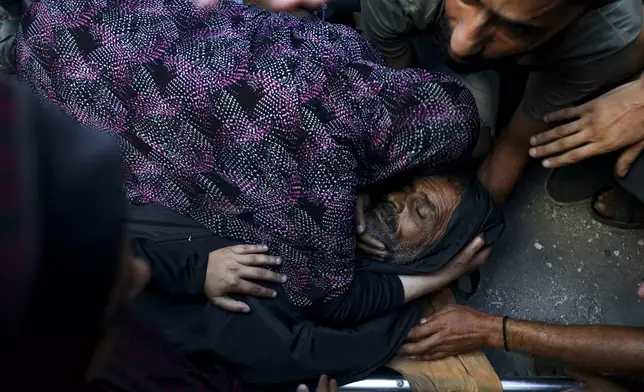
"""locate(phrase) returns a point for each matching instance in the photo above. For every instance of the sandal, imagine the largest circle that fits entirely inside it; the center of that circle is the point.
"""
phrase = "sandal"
(577, 183)
(628, 211)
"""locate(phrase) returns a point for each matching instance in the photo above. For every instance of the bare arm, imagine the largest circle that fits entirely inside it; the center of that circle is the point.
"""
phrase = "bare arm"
(472, 257)
(372, 294)
(504, 165)
(603, 347)
(460, 329)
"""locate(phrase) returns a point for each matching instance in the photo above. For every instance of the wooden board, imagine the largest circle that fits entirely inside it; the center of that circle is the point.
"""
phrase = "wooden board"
(461, 373)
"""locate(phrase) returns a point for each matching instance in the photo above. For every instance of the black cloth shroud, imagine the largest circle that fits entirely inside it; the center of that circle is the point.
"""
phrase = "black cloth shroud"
(277, 345)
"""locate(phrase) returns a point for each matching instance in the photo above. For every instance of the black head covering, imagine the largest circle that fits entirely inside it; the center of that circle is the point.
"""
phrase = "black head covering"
(61, 211)
(476, 214)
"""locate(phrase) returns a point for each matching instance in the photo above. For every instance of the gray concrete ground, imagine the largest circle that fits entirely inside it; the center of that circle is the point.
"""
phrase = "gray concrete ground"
(555, 264)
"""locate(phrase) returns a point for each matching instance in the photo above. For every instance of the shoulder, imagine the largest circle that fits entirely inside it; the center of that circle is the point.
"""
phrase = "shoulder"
(395, 14)
(599, 34)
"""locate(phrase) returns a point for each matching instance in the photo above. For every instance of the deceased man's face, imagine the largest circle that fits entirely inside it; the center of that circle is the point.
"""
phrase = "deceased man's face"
(410, 221)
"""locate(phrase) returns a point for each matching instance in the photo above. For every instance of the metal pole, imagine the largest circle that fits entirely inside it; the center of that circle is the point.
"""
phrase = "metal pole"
(518, 384)
(384, 384)
(539, 384)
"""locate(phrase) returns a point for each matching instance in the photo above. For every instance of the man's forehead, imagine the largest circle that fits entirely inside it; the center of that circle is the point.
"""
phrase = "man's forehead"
(529, 12)
(426, 183)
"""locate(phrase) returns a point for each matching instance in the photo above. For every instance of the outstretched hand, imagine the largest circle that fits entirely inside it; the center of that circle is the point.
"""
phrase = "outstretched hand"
(608, 123)
(453, 330)
(366, 243)
(231, 269)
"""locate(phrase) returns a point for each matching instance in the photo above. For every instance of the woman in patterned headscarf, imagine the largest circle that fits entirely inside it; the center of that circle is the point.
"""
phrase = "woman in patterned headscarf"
(260, 126)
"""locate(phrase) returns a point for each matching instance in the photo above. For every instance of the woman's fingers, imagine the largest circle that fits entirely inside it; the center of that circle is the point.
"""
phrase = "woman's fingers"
(262, 274)
(560, 145)
(565, 114)
(231, 305)
(371, 251)
(372, 242)
(481, 258)
(248, 249)
(467, 255)
(572, 156)
(258, 259)
(626, 159)
(323, 384)
(250, 288)
(361, 205)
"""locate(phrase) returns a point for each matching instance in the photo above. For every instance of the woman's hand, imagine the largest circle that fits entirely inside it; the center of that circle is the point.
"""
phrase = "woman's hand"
(606, 124)
(453, 330)
(324, 385)
(473, 257)
(366, 243)
(230, 270)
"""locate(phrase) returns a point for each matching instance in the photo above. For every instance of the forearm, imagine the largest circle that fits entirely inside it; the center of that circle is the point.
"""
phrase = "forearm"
(505, 164)
(601, 347)
(416, 286)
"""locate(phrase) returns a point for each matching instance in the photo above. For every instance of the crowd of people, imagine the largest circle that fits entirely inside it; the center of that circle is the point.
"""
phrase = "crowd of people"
(224, 197)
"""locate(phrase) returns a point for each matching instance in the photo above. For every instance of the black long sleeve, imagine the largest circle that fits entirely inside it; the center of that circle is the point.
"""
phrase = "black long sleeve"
(179, 268)
(176, 270)
(371, 295)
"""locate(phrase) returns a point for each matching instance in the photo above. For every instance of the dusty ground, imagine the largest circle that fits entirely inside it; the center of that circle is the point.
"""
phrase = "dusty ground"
(555, 264)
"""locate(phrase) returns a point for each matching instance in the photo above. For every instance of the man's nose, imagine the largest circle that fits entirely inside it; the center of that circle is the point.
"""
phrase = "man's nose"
(398, 200)
(469, 35)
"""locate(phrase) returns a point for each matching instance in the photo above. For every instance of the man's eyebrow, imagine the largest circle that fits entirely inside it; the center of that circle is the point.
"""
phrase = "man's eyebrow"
(516, 24)
(430, 204)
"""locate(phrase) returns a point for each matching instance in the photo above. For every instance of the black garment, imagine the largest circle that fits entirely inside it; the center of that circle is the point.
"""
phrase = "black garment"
(276, 344)
(141, 361)
(60, 239)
